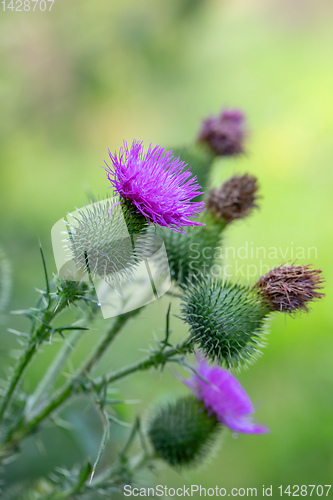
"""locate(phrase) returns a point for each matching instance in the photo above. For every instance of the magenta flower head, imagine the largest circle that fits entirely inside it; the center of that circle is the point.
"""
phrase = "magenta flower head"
(225, 133)
(157, 184)
(222, 395)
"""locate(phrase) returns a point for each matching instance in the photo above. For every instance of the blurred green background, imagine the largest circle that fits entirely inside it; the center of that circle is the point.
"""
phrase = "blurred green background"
(78, 80)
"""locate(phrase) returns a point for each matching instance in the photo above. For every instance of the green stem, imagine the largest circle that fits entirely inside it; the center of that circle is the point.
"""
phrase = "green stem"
(119, 463)
(142, 461)
(21, 366)
(16, 433)
(130, 440)
(56, 367)
(102, 447)
(155, 360)
(73, 490)
(122, 463)
(47, 382)
(117, 475)
(36, 336)
(106, 341)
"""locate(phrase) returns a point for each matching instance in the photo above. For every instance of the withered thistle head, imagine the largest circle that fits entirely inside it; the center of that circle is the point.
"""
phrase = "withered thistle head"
(225, 133)
(234, 199)
(290, 288)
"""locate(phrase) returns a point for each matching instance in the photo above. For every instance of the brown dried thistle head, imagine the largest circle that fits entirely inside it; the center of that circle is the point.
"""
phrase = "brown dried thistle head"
(290, 288)
(234, 199)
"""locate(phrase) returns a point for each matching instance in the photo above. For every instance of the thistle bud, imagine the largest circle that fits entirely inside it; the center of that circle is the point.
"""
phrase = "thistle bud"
(102, 238)
(235, 199)
(290, 288)
(70, 291)
(226, 320)
(225, 133)
(191, 254)
(181, 432)
(199, 158)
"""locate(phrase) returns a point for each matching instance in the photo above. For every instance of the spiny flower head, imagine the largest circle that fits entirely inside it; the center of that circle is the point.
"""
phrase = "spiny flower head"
(224, 397)
(182, 432)
(70, 290)
(184, 257)
(225, 133)
(157, 184)
(290, 288)
(234, 199)
(226, 320)
(107, 239)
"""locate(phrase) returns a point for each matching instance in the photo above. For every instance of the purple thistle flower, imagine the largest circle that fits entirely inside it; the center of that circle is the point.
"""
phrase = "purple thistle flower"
(157, 184)
(225, 133)
(224, 396)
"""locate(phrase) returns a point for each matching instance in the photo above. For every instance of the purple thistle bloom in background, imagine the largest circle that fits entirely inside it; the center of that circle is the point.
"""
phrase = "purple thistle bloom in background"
(224, 396)
(159, 185)
(225, 133)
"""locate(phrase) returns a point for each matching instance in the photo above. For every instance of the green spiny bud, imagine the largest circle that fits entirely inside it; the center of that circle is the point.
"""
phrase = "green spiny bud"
(191, 254)
(71, 291)
(182, 432)
(226, 320)
(104, 238)
(199, 158)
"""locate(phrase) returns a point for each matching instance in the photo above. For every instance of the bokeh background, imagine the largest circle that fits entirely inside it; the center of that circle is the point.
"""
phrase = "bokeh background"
(78, 80)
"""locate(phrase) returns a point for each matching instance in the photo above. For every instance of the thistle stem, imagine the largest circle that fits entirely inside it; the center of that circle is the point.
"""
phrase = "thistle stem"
(21, 366)
(130, 440)
(138, 462)
(106, 341)
(121, 460)
(64, 393)
(36, 336)
(47, 382)
(103, 444)
(155, 360)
